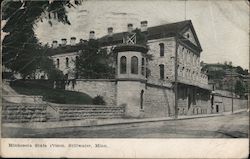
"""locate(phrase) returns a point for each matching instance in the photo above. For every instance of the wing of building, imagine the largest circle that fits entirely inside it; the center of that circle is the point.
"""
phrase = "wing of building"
(155, 77)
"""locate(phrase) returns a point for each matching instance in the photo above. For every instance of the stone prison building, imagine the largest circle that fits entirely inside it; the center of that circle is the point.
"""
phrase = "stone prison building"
(175, 50)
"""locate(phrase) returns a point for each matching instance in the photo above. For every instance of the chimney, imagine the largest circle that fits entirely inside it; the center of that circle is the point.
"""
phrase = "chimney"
(64, 42)
(144, 26)
(110, 31)
(54, 44)
(130, 28)
(73, 41)
(92, 35)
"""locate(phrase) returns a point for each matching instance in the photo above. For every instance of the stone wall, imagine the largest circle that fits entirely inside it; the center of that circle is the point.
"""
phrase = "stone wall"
(201, 107)
(225, 103)
(18, 113)
(167, 60)
(79, 112)
(93, 87)
(158, 102)
(23, 99)
(129, 95)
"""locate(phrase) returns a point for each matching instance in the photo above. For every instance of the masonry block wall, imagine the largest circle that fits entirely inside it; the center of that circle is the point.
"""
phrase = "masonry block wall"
(167, 60)
(79, 112)
(129, 95)
(201, 107)
(93, 87)
(18, 113)
(225, 103)
(159, 102)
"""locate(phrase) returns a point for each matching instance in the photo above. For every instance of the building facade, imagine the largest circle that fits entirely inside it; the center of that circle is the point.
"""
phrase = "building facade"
(146, 86)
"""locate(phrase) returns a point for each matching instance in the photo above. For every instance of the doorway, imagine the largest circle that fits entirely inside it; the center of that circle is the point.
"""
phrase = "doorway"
(217, 108)
(141, 101)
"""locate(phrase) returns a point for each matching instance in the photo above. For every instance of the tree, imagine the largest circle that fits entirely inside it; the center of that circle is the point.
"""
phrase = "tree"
(240, 70)
(21, 49)
(95, 62)
(239, 88)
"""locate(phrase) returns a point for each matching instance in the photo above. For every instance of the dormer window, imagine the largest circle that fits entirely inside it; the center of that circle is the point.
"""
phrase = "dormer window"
(188, 35)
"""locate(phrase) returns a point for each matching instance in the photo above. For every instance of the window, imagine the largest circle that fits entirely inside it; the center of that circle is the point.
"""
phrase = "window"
(142, 66)
(161, 71)
(147, 70)
(134, 65)
(161, 49)
(67, 62)
(77, 61)
(141, 102)
(66, 76)
(123, 65)
(57, 63)
(188, 35)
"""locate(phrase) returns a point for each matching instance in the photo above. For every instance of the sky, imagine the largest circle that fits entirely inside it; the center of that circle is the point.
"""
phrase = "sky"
(221, 26)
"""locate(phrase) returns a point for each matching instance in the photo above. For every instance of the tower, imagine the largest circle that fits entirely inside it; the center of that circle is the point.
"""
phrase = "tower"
(131, 77)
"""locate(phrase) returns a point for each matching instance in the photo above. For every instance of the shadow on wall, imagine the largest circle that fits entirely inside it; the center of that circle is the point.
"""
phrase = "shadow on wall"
(167, 101)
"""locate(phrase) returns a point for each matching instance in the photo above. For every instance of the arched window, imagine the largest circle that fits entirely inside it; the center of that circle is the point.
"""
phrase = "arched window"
(123, 65)
(57, 63)
(67, 62)
(134, 65)
(161, 71)
(143, 66)
(161, 49)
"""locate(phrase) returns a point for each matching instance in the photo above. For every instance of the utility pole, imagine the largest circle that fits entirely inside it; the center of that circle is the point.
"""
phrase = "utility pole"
(232, 89)
(176, 78)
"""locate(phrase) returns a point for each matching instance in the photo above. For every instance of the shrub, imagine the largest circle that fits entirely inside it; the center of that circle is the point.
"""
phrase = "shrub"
(98, 100)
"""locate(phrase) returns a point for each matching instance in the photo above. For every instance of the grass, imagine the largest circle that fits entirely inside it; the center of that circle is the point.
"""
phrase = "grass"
(54, 95)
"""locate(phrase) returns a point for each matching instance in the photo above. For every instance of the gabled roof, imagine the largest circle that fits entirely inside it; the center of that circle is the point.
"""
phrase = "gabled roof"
(157, 32)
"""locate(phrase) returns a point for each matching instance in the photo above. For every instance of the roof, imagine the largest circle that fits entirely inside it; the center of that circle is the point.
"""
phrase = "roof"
(65, 49)
(127, 47)
(156, 32)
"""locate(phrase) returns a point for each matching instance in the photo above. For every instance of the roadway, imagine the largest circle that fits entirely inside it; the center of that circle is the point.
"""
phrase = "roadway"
(228, 126)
